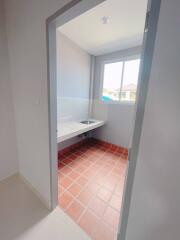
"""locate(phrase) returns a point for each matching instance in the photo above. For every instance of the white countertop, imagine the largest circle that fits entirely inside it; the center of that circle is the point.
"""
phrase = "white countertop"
(71, 129)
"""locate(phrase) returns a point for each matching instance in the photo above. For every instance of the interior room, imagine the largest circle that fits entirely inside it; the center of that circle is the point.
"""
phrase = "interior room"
(98, 60)
(93, 162)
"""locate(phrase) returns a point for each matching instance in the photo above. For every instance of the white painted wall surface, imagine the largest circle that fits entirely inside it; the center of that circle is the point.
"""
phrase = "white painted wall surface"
(26, 32)
(73, 80)
(119, 117)
(8, 148)
(26, 25)
(155, 211)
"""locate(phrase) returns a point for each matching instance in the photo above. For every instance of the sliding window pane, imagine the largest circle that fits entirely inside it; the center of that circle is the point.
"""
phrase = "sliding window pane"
(112, 81)
(130, 80)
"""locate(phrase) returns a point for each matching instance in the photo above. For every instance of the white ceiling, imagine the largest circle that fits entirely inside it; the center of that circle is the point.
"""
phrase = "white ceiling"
(124, 30)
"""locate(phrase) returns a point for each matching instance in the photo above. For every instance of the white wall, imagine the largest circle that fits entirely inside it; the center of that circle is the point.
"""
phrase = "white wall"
(26, 25)
(8, 154)
(73, 80)
(26, 31)
(155, 211)
(119, 117)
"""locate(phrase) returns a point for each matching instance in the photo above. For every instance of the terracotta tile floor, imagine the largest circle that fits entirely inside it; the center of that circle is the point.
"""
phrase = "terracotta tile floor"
(91, 180)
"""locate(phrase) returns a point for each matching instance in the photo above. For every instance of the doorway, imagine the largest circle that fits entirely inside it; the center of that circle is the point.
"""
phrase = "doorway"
(101, 153)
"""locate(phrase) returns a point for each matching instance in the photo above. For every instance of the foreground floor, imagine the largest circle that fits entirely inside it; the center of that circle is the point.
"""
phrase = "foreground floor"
(24, 217)
(91, 180)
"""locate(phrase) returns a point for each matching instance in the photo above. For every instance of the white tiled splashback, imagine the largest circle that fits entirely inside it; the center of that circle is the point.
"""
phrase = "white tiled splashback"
(72, 109)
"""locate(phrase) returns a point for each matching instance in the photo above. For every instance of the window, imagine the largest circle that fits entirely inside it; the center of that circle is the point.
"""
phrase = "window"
(120, 81)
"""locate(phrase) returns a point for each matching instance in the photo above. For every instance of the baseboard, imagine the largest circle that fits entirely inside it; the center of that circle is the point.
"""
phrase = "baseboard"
(120, 149)
(38, 195)
(110, 145)
(8, 176)
(72, 147)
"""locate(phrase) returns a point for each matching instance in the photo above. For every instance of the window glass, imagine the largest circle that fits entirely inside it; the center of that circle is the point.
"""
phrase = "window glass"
(130, 80)
(112, 81)
(120, 81)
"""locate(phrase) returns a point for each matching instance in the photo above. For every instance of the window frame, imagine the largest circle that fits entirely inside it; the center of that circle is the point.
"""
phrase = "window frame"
(114, 60)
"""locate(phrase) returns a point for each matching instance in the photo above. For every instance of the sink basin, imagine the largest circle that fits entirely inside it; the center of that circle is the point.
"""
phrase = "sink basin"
(87, 122)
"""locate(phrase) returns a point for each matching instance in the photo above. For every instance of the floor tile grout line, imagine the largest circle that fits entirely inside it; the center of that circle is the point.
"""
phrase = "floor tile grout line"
(100, 168)
(89, 180)
(87, 206)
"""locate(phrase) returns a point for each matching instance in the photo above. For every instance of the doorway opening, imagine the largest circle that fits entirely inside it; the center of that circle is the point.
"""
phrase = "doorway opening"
(95, 50)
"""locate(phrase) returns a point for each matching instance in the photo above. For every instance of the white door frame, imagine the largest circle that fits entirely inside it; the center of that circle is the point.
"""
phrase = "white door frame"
(65, 14)
(152, 18)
